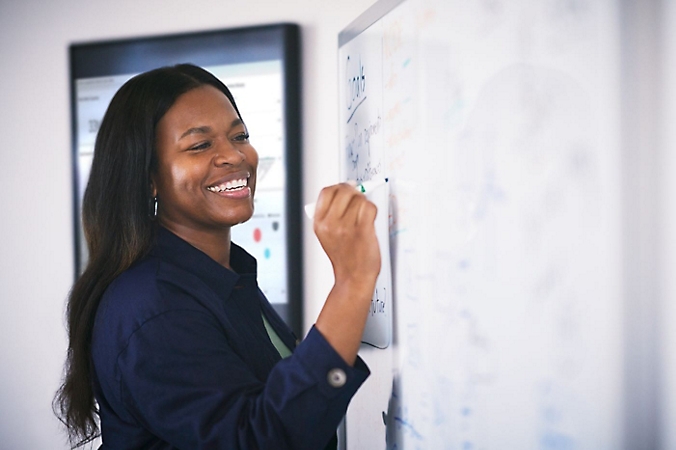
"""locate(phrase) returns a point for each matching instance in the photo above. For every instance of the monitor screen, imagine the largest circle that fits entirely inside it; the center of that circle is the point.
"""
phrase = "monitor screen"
(260, 67)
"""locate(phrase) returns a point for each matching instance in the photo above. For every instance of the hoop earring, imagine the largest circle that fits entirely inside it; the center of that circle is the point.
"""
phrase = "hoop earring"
(152, 210)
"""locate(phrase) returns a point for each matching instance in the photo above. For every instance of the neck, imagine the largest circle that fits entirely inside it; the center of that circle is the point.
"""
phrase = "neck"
(214, 242)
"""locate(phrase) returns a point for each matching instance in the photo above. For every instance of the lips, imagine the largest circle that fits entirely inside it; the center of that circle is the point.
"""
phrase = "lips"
(231, 183)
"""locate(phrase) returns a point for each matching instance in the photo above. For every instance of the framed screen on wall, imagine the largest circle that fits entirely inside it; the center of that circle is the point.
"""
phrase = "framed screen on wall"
(261, 67)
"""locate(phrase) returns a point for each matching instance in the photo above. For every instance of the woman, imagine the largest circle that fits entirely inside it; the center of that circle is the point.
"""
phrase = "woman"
(171, 343)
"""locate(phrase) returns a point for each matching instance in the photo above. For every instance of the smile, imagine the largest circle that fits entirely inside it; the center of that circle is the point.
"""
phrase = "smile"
(232, 185)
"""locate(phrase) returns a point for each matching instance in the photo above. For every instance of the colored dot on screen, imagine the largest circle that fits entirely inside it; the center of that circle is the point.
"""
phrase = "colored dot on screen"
(257, 235)
(267, 253)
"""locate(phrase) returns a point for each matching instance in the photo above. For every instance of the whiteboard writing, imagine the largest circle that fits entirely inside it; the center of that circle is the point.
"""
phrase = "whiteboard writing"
(497, 125)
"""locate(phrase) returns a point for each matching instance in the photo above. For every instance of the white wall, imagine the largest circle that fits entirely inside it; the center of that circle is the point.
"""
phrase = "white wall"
(668, 230)
(36, 243)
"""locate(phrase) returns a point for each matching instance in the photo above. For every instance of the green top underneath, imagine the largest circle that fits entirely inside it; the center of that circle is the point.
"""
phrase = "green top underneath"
(276, 341)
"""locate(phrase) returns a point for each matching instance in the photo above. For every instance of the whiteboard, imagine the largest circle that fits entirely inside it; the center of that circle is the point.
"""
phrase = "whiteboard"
(497, 124)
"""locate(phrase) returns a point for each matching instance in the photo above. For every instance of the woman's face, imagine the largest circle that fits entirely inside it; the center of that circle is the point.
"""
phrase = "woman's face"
(206, 173)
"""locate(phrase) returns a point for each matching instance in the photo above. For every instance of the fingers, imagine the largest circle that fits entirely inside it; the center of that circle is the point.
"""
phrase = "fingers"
(324, 202)
(344, 223)
(367, 212)
(340, 201)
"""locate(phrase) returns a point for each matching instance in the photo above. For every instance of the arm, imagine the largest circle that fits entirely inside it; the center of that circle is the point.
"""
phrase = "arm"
(344, 224)
(181, 380)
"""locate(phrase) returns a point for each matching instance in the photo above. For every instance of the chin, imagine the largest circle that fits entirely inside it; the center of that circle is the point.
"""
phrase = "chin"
(240, 218)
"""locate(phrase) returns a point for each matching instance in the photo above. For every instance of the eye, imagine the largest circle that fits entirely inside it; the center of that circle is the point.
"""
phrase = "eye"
(201, 146)
(242, 137)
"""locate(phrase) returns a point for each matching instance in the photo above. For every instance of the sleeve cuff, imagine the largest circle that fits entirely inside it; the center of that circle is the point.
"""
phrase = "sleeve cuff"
(332, 374)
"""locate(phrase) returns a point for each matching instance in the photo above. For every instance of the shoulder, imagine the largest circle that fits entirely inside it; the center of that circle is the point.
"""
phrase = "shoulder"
(150, 288)
(139, 282)
(134, 291)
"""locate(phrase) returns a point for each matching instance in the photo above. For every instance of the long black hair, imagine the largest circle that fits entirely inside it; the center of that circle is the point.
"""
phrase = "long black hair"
(117, 222)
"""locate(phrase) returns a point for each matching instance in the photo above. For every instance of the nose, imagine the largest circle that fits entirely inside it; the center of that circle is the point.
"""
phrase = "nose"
(227, 154)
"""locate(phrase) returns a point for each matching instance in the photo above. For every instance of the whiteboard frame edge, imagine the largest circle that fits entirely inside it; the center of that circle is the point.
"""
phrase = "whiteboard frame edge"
(376, 12)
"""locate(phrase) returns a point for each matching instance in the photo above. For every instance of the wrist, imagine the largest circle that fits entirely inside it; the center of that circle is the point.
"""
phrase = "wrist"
(355, 286)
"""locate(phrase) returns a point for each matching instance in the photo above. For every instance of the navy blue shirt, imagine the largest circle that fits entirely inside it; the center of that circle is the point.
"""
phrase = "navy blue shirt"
(182, 360)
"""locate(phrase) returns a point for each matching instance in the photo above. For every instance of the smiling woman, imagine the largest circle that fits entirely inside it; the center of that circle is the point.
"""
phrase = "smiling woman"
(171, 342)
(206, 173)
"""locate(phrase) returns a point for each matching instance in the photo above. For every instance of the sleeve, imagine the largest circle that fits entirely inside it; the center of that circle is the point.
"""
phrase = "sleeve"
(183, 382)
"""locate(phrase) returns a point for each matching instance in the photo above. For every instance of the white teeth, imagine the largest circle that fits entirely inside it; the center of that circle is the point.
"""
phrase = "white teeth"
(229, 186)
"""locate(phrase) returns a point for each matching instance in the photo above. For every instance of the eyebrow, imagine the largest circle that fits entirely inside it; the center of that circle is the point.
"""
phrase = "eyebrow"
(207, 129)
(196, 130)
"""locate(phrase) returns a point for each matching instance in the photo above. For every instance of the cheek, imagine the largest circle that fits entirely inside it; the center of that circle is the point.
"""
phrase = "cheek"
(182, 177)
(178, 179)
(252, 157)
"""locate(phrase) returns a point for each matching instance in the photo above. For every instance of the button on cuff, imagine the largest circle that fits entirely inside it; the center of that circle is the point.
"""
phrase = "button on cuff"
(336, 378)
(319, 359)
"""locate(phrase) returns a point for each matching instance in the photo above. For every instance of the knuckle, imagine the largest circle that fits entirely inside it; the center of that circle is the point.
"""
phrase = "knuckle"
(326, 230)
(320, 227)
(347, 188)
(325, 191)
(370, 209)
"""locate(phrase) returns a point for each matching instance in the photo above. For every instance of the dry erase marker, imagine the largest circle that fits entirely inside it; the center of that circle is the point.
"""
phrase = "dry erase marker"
(365, 187)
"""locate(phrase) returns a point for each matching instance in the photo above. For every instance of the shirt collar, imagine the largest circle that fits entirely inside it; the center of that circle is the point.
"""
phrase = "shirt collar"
(180, 253)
